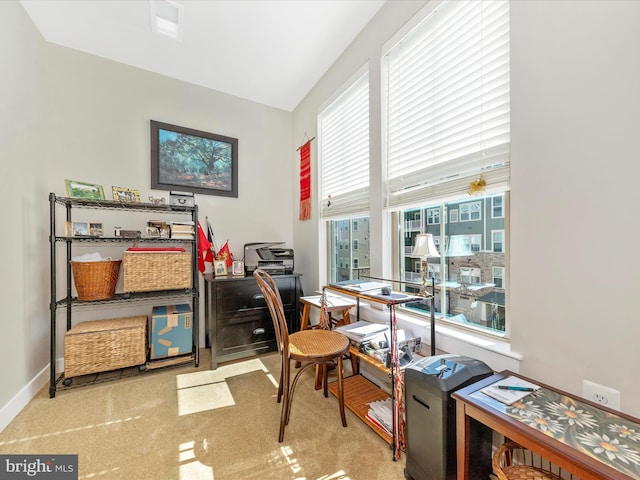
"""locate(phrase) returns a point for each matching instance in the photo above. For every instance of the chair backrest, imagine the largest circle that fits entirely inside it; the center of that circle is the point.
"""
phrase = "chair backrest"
(271, 295)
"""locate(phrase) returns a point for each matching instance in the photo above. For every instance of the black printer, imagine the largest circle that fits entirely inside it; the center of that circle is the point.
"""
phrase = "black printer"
(269, 257)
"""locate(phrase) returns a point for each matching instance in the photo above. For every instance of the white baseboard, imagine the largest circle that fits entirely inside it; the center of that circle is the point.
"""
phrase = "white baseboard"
(9, 411)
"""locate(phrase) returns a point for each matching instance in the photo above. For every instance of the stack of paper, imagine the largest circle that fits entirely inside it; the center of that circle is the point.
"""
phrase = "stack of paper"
(360, 331)
(361, 285)
(509, 390)
(185, 230)
(381, 414)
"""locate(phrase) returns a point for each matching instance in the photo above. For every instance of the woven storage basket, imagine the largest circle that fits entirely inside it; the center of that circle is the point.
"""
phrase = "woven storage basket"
(513, 462)
(102, 345)
(147, 271)
(95, 280)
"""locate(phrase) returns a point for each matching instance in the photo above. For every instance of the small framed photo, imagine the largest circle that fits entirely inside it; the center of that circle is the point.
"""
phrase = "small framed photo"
(238, 267)
(219, 267)
(76, 229)
(96, 229)
(162, 227)
(88, 191)
(125, 195)
(153, 232)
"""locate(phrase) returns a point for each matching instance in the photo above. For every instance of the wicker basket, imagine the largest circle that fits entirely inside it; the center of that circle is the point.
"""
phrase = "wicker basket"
(513, 462)
(102, 345)
(147, 271)
(95, 280)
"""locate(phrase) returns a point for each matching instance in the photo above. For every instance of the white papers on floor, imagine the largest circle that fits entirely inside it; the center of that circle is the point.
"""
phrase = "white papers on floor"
(381, 413)
(90, 257)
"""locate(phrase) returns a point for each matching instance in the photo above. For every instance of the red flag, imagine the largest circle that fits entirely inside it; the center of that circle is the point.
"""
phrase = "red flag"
(225, 254)
(203, 246)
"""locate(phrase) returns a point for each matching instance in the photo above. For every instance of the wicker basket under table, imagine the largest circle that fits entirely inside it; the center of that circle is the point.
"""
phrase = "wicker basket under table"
(513, 462)
(101, 345)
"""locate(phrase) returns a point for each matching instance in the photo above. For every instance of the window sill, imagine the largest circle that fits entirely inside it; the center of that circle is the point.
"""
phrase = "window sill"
(496, 353)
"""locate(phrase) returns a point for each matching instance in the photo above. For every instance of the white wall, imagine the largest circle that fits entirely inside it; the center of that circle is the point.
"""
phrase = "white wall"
(575, 101)
(99, 133)
(23, 171)
(66, 114)
(575, 124)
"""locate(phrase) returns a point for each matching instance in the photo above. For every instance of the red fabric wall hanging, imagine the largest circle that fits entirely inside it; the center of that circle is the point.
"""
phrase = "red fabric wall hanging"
(305, 181)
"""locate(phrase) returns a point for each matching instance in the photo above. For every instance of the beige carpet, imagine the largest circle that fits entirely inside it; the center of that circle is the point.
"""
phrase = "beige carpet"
(185, 423)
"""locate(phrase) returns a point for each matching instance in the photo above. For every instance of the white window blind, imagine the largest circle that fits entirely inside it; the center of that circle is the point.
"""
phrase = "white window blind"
(447, 104)
(343, 133)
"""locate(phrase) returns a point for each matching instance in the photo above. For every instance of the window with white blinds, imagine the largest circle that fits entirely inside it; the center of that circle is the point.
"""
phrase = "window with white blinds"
(447, 104)
(343, 134)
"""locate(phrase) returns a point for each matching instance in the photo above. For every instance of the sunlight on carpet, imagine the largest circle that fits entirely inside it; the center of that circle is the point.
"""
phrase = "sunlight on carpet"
(208, 390)
(71, 430)
(190, 468)
(289, 460)
(204, 397)
(296, 468)
(335, 476)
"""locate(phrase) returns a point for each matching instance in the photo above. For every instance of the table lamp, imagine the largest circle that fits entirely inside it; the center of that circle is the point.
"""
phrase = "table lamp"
(425, 248)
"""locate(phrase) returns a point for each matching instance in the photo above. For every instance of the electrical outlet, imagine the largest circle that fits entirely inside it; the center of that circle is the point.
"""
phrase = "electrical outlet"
(600, 394)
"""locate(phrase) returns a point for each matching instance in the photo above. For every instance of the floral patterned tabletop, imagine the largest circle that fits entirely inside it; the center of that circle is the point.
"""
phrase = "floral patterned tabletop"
(609, 438)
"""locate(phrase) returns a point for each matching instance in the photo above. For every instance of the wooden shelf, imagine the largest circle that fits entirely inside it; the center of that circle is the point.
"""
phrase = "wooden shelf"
(358, 390)
(358, 393)
(165, 362)
(370, 360)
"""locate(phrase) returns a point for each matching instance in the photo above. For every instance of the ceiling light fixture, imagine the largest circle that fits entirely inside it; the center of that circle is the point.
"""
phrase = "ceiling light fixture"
(167, 18)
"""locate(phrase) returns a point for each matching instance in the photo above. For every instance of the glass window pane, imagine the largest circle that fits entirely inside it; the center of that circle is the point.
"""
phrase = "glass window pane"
(349, 248)
(469, 274)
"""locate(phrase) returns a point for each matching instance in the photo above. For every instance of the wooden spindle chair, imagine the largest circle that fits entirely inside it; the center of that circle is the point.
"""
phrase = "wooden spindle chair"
(310, 347)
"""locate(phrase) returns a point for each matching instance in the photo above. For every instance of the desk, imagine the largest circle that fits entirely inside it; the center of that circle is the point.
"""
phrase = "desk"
(334, 304)
(579, 436)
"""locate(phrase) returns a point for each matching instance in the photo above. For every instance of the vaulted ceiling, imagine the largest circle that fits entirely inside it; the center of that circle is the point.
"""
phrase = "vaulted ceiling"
(268, 51)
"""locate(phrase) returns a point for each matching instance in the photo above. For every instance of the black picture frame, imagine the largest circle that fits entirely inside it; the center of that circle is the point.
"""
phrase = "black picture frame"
(193, 161)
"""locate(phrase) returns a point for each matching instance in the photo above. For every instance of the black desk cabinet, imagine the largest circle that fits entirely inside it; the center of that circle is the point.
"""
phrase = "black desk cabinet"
(237, 321)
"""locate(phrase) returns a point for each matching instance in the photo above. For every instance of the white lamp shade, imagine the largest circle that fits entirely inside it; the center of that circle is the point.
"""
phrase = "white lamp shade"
(425, 247)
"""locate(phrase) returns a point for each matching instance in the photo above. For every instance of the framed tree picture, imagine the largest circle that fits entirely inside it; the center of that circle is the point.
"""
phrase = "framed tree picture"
(193, 161)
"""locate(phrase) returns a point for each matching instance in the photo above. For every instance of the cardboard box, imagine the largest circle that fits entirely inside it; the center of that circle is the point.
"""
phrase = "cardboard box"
(171, 331)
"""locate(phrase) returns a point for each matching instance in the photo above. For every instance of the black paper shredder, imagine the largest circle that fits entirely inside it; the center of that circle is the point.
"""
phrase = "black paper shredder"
(431, 418)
